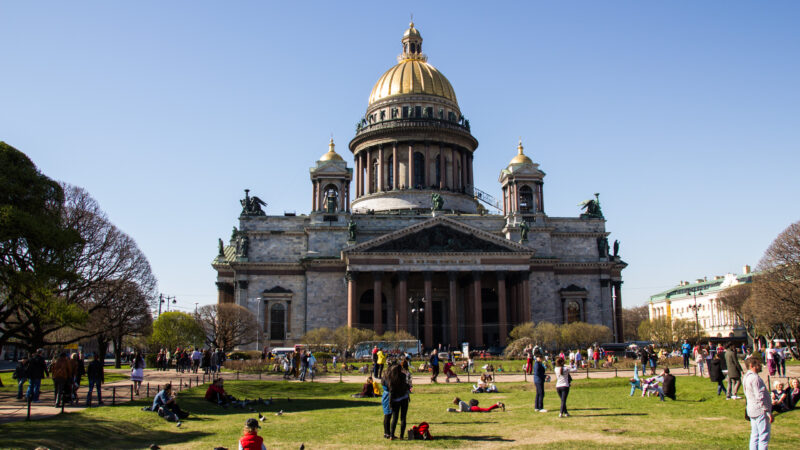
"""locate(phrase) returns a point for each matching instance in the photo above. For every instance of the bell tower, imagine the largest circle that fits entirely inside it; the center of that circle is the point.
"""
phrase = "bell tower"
(330, 180)
(523, 186)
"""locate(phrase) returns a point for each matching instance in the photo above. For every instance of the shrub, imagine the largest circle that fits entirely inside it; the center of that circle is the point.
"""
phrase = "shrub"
(237, 356)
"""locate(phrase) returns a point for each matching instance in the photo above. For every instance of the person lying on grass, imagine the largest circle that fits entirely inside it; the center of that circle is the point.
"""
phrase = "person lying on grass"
(473, 406)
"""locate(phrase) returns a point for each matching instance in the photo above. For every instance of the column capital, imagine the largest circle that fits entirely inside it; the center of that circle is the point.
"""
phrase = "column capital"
(501, 275)
(377, 275)
(350, 275)
(452, 275)
(402, 276)
(476, 275)
(427, 275)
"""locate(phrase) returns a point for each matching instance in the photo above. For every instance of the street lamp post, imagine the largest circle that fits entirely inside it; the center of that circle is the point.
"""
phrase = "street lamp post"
(417, 308)
(165, 299)
(696, 317)
(259, 322)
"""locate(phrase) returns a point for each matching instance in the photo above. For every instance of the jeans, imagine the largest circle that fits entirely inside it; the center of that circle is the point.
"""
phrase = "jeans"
(563, 392)
(721, 387)
(62, 390)
(759, 432)
(733, 387)
(303, 372)
(20, 385)
(685, 360)
(399, 409)
(782, 367)
(34, 389)
(539, 403)
(92, 384)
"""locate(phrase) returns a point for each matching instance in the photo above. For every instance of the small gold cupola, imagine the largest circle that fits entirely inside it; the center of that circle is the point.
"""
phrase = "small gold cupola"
(520, 158)
(412, 45)
(331, 155)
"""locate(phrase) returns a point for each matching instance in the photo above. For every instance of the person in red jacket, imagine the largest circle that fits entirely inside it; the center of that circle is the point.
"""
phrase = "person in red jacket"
(216, 393)
(250, 439)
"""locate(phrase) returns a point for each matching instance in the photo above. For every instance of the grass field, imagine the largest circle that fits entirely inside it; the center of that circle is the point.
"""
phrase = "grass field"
(324, 415)
(10, 384)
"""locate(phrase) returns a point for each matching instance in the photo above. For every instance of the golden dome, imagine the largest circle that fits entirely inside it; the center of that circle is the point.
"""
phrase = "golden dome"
(413, 74)
(520, 158)
(331, 155)
(412, 77)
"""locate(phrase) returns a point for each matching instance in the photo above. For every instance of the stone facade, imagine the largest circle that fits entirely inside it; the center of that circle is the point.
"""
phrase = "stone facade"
(368, 262)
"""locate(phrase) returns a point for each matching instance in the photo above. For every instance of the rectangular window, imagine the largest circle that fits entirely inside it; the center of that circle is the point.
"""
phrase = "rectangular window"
(405, 112)
(418, 111)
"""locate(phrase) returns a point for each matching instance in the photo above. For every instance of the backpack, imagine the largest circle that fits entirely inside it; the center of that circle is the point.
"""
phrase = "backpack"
(420, 432)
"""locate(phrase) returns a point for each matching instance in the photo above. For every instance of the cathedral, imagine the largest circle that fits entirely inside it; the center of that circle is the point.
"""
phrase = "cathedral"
(418, 247)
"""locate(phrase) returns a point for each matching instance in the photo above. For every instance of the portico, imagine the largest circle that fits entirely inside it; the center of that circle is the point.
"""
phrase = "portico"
(473, 283)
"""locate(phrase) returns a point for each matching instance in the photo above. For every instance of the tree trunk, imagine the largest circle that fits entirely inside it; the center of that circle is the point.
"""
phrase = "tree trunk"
(118, 352)
(102, 347)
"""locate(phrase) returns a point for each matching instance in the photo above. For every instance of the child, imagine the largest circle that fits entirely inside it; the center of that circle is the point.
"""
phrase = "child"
(250, 439)
(473, 406)
(448, 372)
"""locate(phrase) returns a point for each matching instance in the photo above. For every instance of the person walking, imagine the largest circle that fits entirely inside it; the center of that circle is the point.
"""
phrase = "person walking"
(644, 358)
(96, 375)
(563, 381)
(196, 358)
(21, 375)
(434, 360)
(700, 360)
(685, 349)
(538, 381)
(381, 359)
(78, 371)
(137, 371)
(759, 405)
(37, 369)
(734, 373)
(770, 355)
(780, 359)
(62, 378)
(528, 353)
(375, 362)
(304, 366)
(716, 375)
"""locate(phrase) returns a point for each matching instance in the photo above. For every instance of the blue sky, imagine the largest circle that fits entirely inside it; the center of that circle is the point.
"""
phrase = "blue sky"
(685, 116)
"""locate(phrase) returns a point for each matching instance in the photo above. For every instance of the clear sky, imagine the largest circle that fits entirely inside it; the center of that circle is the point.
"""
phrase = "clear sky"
(684, 115)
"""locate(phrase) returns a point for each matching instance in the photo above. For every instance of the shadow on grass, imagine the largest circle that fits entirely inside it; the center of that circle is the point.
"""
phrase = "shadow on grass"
(202, 407)
(456, 423)
(89, 432)
(589, 409)
(613, 415)
(474, 438)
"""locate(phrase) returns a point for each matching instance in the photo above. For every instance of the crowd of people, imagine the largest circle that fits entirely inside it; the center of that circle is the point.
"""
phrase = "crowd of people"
(67, 373)
(187, 360)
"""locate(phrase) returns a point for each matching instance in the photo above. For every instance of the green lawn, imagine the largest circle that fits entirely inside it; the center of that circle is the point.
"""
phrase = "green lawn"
(10, 384)
(324, 415)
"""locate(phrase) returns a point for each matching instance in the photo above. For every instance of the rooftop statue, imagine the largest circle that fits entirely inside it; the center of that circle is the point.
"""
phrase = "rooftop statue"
(616, 248)
(242, 246)
(234, 233)
(437, 201)
(351, 231)
(592, 208)
(251, 206)
(221, 248)
(524, 228)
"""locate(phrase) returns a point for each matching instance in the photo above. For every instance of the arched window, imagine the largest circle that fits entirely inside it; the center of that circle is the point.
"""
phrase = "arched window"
(438, 170)
(330, 192)
(277, 322)
(525, 199)
(573, 312)
(419, 170)
(390, 172)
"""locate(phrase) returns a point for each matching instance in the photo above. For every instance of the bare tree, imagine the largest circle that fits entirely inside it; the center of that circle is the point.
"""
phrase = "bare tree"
(227, 325)
(777, 287)
(87, 280)
(126, 315)
(631, 318)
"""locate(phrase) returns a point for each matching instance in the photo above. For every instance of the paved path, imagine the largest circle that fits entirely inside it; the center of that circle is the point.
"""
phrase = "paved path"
(12, 409)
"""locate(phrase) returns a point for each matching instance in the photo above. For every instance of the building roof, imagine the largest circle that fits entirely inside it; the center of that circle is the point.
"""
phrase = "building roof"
(706, 286)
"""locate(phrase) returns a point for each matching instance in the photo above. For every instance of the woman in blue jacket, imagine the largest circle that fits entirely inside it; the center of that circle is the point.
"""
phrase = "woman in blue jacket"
(538, 381)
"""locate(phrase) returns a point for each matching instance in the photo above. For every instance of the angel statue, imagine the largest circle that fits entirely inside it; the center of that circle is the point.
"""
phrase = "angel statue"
(592, 208)
(437, 201)
(251, 206)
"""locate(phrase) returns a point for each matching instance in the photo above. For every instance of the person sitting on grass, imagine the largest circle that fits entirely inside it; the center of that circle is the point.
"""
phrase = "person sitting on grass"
(250, 439)
(367, 390)
(473, 406)
(651, 386)
(216, 393)
(668, 383)
(780, 398)
(793, 391)
(448, 372)
(166, 406)
(485, 384)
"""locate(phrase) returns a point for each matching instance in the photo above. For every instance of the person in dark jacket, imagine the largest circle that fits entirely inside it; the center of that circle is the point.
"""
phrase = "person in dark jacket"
(399, 396)
(668, 385)
(716, 375)
(538, 381)
(734, 373)
(37, 369)
(21, 375)
(644, 358)
(62, 378)
(434, 360)
(96, 375)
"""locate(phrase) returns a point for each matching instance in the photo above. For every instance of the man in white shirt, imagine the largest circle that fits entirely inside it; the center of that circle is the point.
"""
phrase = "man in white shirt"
(590, 356)
(759, 405)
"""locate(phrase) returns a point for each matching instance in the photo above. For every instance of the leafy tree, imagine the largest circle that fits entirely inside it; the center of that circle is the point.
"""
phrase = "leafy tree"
(227, 325)
(346, 338)
(740, 300)
(177, 329)
(318, 337)
(36, 250)
(664, 332)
